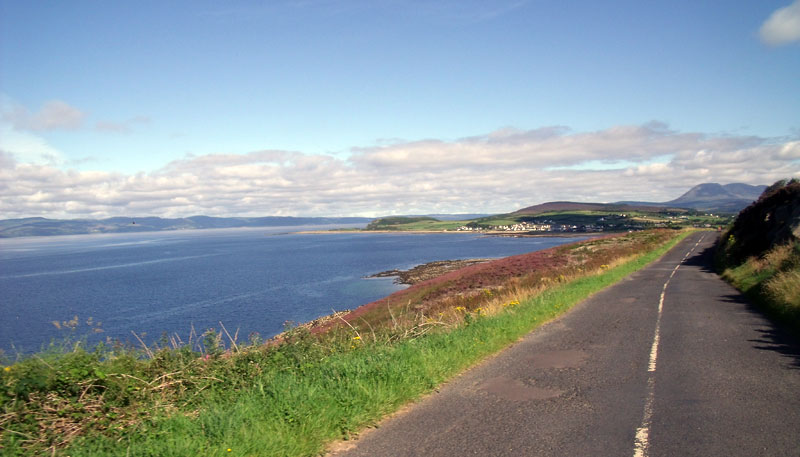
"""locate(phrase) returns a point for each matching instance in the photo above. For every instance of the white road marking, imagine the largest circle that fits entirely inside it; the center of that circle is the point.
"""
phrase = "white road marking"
(642, 440)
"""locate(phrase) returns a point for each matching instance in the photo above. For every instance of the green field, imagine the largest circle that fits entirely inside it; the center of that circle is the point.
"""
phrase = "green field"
(400, 223)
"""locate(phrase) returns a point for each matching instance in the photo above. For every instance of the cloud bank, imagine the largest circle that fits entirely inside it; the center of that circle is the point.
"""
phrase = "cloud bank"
(496, 172)
(783, 26)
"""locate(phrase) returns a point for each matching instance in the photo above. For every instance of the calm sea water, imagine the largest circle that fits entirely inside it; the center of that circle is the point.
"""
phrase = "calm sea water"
(251, 280)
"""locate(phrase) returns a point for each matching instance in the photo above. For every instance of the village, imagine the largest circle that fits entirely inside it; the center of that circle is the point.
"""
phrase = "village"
(546, 226)
(607, 223)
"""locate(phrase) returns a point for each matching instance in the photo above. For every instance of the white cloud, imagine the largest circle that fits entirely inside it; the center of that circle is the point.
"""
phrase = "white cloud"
(783, 25)
(497, 172)
(126, 126)
(28, 148)
(59, 115)
(54, 115)
(20, 139)
(790, 150)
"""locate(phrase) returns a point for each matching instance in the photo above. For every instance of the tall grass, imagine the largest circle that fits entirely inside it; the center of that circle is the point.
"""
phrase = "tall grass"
(288, 399)
(772, 280)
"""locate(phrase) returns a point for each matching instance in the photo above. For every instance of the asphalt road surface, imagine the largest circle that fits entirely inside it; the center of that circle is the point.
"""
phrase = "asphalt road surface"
(671, 361)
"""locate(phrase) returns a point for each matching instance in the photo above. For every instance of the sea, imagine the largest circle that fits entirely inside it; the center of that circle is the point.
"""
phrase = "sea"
(177, 284)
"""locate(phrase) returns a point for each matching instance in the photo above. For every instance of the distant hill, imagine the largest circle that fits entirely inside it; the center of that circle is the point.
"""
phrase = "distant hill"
(387, 223)
(38, 226)
(713, 197)
(452, 217)
(605, 207)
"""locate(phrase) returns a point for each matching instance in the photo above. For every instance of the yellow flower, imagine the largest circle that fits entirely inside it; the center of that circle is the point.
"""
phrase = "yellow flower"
(356, 337)
(6, 369)
(229, 449)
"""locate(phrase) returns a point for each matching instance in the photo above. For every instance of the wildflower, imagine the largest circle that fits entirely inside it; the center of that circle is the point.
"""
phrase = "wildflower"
(229, 449)
(7, 369)
(460, 308)
(356, 337)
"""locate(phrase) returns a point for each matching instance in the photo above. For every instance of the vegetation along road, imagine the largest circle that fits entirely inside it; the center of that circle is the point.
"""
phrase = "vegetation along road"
(671, 361)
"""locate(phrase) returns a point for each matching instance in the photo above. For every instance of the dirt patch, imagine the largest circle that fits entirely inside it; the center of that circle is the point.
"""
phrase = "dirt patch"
(516, 390)
(558, 359)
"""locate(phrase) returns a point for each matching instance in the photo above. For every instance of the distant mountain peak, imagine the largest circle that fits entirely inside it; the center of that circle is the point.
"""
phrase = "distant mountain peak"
(708, 197)
(745, 190)
(717, 197)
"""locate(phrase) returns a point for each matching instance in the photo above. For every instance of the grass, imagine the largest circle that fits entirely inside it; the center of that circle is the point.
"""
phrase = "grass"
(760, 252)
(426, 226)
(402, 223)
(287, 399)
(772, 280)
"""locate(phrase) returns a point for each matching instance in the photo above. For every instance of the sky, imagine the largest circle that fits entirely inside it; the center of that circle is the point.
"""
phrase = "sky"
(381, 107)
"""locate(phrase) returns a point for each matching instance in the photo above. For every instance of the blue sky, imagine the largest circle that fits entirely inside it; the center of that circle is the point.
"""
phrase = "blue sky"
(320, 107)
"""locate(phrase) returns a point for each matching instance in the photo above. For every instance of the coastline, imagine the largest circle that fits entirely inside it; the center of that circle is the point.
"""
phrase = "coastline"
(485, 232)
(428, 270)
(334, 232)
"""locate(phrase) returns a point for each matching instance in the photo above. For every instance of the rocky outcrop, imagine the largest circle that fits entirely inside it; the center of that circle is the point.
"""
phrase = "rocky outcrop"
(427, 271)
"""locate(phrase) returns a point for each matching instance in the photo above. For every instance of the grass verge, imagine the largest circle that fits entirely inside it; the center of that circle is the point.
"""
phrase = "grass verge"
(288, 399)
(772, 280)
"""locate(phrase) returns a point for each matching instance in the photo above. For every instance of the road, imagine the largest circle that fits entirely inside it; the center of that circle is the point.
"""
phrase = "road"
(671, 361)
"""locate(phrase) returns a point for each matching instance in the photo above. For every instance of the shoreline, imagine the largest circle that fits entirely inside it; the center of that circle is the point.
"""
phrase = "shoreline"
(425, 271)
(335, 232)
(485, 232)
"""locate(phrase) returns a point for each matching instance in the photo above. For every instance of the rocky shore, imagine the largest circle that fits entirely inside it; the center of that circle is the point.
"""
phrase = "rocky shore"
(427, 270)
